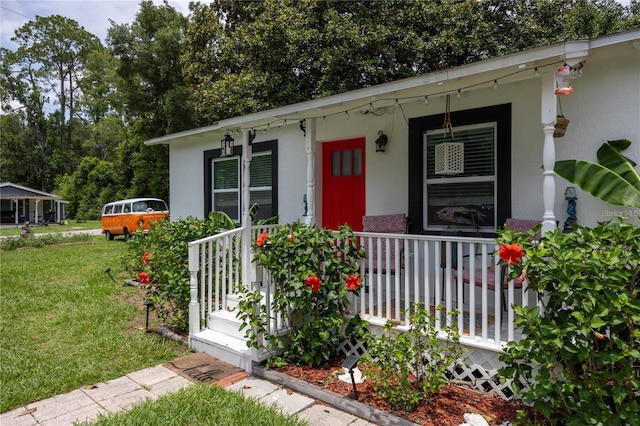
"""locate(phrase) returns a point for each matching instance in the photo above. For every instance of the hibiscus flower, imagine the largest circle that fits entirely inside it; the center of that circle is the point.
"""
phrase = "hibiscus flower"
(262, 238)
(143, 278)
(146, 258)
(314, 282)
(511, 253)
(353, 282)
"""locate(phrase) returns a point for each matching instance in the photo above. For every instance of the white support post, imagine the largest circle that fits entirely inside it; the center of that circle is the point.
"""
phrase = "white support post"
(16, 216)
(194, 305)
(548, 115)
(248, 268)
(36, 211)
(310, 149)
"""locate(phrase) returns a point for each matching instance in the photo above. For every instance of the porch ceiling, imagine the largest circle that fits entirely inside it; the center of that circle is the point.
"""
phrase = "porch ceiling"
(506, 69)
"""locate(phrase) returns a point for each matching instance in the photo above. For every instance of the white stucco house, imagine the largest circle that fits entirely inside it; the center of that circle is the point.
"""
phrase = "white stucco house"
(467, 148)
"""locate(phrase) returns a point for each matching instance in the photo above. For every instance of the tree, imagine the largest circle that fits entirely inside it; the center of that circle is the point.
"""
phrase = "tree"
(57, 47)
(244, 57)
(151, 82)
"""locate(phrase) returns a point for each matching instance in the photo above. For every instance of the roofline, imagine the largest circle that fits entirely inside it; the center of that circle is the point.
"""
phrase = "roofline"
(567, 51)
(24, 188)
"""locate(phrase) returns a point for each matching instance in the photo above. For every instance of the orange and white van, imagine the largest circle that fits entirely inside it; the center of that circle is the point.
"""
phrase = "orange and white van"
(125, 217)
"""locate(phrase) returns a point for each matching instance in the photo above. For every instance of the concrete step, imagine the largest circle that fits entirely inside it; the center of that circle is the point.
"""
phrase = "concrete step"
(229, 349)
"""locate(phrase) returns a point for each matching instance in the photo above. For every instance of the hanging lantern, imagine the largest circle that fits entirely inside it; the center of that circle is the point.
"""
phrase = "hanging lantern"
(563, 75)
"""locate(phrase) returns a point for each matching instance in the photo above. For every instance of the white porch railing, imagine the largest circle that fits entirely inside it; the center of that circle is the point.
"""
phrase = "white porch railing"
(455, 273)
(400, 269)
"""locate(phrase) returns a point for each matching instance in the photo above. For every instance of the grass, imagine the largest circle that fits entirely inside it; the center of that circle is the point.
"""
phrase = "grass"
(200, 405)
(65, 324)
(70, 225)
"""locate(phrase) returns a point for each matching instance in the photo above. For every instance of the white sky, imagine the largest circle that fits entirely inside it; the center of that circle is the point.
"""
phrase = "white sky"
(93, 15)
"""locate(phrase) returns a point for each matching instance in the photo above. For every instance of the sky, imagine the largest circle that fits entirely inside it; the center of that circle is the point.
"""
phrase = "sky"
(93, 15)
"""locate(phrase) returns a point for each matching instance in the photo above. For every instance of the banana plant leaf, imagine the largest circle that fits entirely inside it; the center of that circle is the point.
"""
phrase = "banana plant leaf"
(223, 220)
(610, 157)
(602, 182)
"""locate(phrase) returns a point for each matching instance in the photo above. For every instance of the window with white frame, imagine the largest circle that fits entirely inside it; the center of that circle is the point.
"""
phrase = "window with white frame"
(462, 197)
(227, 185)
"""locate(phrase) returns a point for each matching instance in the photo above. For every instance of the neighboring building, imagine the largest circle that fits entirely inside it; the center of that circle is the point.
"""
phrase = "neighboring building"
(19, 204)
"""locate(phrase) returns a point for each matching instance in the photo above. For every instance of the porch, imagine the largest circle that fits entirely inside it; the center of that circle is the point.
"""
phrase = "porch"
(400, 269)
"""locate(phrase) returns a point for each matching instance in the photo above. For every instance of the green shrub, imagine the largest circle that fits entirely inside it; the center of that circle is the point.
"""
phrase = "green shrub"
(313, 276)
(42, 240)
(578, 361)
(406, 368)
(163, 254)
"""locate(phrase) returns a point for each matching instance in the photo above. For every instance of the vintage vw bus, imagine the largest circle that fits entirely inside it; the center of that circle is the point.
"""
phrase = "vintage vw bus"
(125, 217)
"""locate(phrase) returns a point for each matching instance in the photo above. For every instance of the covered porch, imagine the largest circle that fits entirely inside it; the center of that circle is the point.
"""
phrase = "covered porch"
(411, 269)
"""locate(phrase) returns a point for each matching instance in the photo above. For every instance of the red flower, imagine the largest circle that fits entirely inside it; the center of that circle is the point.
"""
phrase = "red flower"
(262, 238)
(511, 253)
(314, 282)
(146, 258)
(353, 282)
(143, 278)
(291, 238)
(600, 336)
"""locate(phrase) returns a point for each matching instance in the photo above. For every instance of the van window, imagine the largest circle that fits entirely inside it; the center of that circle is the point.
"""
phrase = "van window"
(139, 206)
(108, 210)
(117, 208)
(157, 206)
(127, 208)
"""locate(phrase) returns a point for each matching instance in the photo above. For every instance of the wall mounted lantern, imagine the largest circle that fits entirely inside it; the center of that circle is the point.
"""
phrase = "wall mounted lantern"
(226, 146)
(381, 142)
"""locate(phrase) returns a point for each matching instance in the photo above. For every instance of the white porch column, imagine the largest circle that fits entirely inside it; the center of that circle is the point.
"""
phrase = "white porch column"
(36, 211)
(549, 114)
(248, 269)
(16, 216)
(310, 149)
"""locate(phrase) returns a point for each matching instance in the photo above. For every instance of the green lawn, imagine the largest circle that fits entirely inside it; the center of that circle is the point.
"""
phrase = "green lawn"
(200, 405)
(65, 324)
(70, 225)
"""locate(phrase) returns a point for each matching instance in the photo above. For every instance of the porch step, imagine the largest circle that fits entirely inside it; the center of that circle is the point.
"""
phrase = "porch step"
(225, 322)
(226, 348)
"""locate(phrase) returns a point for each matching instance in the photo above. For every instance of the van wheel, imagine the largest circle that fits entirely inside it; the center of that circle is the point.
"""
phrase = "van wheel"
(127, 235)
(108, 235)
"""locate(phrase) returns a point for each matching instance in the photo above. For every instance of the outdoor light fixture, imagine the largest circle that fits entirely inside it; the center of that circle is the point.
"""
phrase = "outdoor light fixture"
(108, 272)
(148, 303)
(226, 146)
(381, 142)
(571, 197)
(350, 363)
(563, 75)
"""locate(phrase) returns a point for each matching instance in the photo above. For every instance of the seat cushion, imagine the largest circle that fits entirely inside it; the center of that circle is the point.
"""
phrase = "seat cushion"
(477, 276)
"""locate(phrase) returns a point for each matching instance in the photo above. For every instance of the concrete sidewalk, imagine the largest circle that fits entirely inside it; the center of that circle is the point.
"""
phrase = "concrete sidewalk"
(87, 403)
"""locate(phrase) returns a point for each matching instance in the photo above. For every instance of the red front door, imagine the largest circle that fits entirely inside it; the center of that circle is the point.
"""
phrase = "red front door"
(343, 200)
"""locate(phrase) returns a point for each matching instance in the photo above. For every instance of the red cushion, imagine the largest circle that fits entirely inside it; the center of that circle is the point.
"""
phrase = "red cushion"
(491, 278)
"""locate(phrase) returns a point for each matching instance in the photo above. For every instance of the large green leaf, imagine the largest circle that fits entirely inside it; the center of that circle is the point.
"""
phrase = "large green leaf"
(609, 156)
(600, 182)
